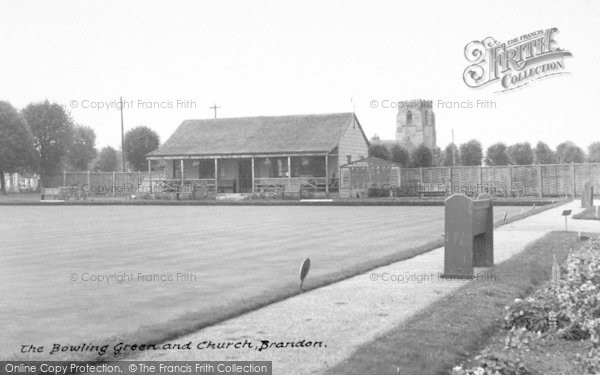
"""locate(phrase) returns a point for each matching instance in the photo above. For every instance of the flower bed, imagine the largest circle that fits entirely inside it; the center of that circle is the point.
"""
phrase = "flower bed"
(566, 308)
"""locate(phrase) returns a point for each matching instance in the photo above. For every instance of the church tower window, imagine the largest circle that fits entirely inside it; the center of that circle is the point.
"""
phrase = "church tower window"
(408, 117)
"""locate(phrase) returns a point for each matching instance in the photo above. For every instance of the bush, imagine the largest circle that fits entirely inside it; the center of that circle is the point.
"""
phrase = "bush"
(579, 290)
(533, 313)
(568, 307)
(307, 195)
(572, 300)
(579, 296)
(492, 365)
(377, 192)
(162, 196)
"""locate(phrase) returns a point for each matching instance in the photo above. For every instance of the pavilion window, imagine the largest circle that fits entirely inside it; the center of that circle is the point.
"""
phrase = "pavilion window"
(268, 167)
(295, 167)
(277, 167)
(206, 168)
(312, 166)
(177, 169)
(280, 167)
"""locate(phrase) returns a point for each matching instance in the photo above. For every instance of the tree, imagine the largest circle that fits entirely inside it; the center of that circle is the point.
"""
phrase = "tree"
(520, 154)
(471, 153)
(544, 154)
(16, 143)
(496, 154)
(451, 155)
(138, 142)
(400, 155)
(83, 147)
(422, 156)
(438, 157)
(569, 152)
(594, 152)
(108, 160)
(379, 151)
(51, 128)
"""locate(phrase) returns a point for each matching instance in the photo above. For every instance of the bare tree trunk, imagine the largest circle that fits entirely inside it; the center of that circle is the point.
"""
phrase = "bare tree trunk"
(42, 181)
(2, 184)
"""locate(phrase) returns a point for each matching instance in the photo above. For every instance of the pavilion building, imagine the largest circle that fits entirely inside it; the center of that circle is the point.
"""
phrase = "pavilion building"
(250, 154)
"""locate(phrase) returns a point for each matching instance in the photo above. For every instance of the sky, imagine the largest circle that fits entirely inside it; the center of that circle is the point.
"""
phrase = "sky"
(172, 60)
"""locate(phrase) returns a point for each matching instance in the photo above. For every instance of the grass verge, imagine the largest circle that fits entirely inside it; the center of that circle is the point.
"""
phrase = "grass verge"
(532, 211)
(453, 328)
(591, 213)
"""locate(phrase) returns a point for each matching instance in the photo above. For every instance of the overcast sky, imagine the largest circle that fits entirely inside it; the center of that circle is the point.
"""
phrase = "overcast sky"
(257, 58)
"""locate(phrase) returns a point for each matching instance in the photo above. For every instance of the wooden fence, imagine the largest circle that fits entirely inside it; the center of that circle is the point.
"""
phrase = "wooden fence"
(106, 183)
(511, 181)
(516, 180)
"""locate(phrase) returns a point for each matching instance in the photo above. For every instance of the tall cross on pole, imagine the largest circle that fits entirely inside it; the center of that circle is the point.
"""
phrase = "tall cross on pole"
(122, 136)
(214, 107)
(353, 113)
(453, 148)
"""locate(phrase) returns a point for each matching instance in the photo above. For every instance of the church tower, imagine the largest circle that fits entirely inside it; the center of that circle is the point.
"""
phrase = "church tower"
(415, 124)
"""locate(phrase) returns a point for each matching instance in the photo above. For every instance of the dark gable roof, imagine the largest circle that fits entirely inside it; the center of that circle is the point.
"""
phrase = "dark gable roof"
(257, 135)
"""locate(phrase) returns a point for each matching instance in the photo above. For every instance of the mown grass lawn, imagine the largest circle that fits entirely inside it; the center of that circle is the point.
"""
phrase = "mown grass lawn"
(210, 263)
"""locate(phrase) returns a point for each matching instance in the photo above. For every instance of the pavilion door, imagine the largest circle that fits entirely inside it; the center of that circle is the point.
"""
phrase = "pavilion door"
(245, 176)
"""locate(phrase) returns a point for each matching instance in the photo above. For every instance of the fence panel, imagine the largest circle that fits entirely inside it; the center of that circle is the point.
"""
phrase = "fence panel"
(556, 180)
(101, 183)
(523, 180)
(465, 179)
(75, 180)
(410, 176)
(496, 180)
(52, 181)
(595, 176)
(585, 173)
(436, 175)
